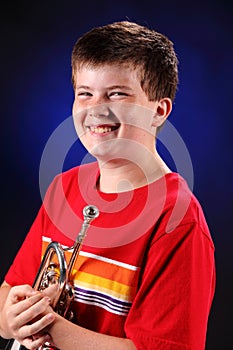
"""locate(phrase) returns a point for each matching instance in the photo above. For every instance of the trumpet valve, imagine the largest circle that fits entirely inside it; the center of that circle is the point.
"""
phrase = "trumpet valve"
(51, 276)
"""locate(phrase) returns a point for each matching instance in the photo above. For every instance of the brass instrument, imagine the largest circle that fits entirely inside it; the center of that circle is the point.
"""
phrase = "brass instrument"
(59, 273)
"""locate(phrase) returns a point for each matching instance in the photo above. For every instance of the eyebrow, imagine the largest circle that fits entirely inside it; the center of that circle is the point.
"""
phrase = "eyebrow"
(123, 87)
(82, 87)
(112, 87)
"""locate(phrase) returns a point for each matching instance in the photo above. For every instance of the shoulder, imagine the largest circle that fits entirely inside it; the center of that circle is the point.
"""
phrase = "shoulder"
(182, 211)
(74, 174)
(67, 185)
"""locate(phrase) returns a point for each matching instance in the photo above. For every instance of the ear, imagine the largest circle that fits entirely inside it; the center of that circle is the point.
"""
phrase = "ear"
(163, 109)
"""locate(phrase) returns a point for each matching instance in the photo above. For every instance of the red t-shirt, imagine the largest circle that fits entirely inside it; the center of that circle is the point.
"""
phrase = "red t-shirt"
(146, 269)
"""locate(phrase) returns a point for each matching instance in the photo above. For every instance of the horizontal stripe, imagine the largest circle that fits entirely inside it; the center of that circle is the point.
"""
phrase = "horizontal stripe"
(106, 302)
(103, 290)
(106, 270)
(93, 282)
(111, 261)
(113, 301)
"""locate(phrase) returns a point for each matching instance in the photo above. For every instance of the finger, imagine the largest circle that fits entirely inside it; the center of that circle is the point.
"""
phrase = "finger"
(36, 327)
(23, 305)
(36, 342)
(32, 311)
(18, 293)
(52, 290)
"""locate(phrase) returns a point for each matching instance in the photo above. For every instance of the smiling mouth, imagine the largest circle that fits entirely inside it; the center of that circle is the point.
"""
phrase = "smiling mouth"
(103, 129)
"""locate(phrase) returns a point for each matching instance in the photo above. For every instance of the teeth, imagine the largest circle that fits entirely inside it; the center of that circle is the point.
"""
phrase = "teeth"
(101, 129)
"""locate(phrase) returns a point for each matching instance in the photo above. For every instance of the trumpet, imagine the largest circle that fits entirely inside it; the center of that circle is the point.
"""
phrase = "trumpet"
(59, 273)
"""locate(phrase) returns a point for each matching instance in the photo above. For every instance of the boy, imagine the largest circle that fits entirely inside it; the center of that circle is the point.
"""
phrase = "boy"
(144, 278)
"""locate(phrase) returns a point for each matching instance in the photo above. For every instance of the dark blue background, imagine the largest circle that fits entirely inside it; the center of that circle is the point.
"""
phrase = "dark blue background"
(36, 96)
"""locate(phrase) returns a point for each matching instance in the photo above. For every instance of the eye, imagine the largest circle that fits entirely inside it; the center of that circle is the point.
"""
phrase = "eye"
(117, 94)
(83, 94)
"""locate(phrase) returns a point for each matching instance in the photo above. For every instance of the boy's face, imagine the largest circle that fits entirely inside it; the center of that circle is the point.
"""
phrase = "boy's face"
(111, 111)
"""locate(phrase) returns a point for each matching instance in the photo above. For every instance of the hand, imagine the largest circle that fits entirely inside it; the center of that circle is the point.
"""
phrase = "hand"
(24, 316)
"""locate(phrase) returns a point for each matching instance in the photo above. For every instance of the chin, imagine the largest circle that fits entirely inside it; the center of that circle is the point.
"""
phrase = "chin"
(100, 154)
(103, 153)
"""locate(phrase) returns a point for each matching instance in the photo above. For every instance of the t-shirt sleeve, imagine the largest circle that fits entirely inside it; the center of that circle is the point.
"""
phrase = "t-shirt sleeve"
(26, 263)
(172, 305)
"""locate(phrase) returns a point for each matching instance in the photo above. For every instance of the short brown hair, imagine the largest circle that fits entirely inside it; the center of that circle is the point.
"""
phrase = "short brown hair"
(132, 44)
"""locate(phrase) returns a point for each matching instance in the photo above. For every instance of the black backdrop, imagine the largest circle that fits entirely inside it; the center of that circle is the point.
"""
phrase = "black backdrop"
(36, 96)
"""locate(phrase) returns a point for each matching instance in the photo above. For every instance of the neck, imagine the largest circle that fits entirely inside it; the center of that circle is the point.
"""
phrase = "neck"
(122, 175)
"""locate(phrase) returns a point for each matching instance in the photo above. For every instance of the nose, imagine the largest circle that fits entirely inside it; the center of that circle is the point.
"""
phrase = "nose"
(98, 110)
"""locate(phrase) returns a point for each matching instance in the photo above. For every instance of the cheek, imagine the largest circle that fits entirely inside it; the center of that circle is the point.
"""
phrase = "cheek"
(135, 115)
(78, 118)
(139, 125)
(75, 108)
